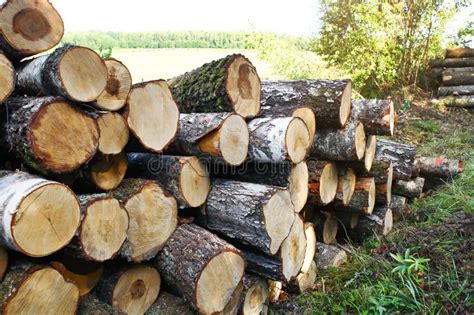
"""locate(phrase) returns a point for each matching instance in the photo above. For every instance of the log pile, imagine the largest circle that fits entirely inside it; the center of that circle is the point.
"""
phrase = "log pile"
(222, 189)
(455, 77)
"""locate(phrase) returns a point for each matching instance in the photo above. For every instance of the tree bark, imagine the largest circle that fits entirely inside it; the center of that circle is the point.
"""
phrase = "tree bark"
(119, 84)
(452, 62)
(456, 90)
(383, 194)
(378, 116)
(73, 72)
(249, 214)
(398, 207)
(330, 100)
(186, 178)
(38, 216)
(169, 304)
(225, 85)
(363, 198)
(7, 77)
(204, 269)
(91, 305)
(47, 134)
(401, 155)
(323, 181)
(153, 216)
(456, 79)
(346, 144)
(411, 189)
(329, 256)
(466, 101)
(380, 223)
(459, 52)
(439, 167)
(3, 262)
(254, 295)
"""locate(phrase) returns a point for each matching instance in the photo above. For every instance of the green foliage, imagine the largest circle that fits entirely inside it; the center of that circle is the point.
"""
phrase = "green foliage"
(465, 36)
(105, 53)
(383, 44)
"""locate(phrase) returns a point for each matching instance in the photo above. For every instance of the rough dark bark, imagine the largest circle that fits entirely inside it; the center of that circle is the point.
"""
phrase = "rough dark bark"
(456, 90)
(91, 305)
(362, 199)
(456, 79)
(322, 182)
(329, 256)
(205, 89)
(380, 170)
(411, 189)
(379, 223)
(265, 266)
(401, 155)
(21, 117)
(439, 167)
(398, 207)
(169, 304)
(459, 52)
(452, 62)
(186, 255)
(326, 98)
(383, 194)
(378, 116)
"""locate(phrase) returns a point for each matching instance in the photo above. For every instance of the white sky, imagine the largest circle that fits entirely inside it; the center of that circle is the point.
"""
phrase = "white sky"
(295, 17)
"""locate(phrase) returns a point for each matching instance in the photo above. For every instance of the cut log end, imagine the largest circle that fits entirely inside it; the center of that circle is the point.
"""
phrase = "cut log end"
(310, 235)
(346, 103)
(7, 78)
(298, 185)
(392, 119)
(46, 220)
(255, 298)
(389, 183)
(243, 87)
(195, 182)
(387, 222)
(107, 172)
(63, 138)
(44, 291)
(278, 218)
(3, 262)
(360, 141)
(137, 289)
(293, 250)
(368, 184)
(308, 116)
(83, 74)
(218, 281)
(370, 149)
(307, 279)
(328, 183)
(297, 140)
(113, 132)
(346, 185)
(152, 101)
(85, 275)
(103, 229)
(119, 83)
(330, 228)
(30, 26)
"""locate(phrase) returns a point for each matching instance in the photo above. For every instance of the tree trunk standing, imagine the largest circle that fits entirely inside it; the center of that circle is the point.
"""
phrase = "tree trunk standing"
(459, 78)
(104, 172)
(378, 116)
(29, 27)
(34, 289)
(151, 101)
(153, 216)
(39, 217)
(254, 295)
(323, 181)
(401, 155)
(330, 100)
(186, 178)
(439, 167)
(91, 305)
(452, 62)
(47, 133)
(204, 269)
(103, 228)
(169, 304)
(466, 101)
(119, 84)
(325, 224)
(284, 266)
(73, 72)
(380, 222)
(230, 84)
(398, 207)
(456, 90)
(329, 256)
(459, 52)
(278, 139)
(221, 135)
(255, 215)
(346, 144)
(84, 274)
(411, 189)
(113, 131)
(363, 198)
(131, 289)
(286, 175)
(7, 78)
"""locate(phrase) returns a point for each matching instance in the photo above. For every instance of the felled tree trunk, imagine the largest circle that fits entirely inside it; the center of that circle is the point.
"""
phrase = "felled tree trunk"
(380, 222)
(346, 185)
(398, 207)
(346, 144)
(278, 139)
(204, 269)
(459, 52)
(456, 79)
(49, 214)
(456, 90)
(310, 235)
(229, 84)
(323, 181)
(378, 116)
(104, 172)
(254, 295)
(168, 303)
(113, 131)
(74, 72)
(90, 304)
(256, 215)
(84, 274)
(401, 155)
(32, 289)
(325, 224)
(286, 175)
(383, 194)
(330, 100)
(363, 198)
(7, 77)
(151, 101)
(452, 62)
(462, 101)
(131, 289)
(186, 178)
(305, 280)
(153, 216)
(411, 189)
(439, 167)
(29, 27)
(284, 266)
(119, 83)
(103, 228)
(329, 256)
(348, 220)
(47, 133)
(370, 148)
(3, 262)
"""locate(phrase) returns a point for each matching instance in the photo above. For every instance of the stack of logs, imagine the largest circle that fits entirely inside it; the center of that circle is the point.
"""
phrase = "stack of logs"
(455, 77)
(225, 189)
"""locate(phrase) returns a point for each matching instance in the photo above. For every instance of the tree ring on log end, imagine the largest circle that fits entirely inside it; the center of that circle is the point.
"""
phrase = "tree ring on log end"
(293, 250)
(387, 222)
(45, 291)
(218, 280)
(330, 230)
(372, 196)
(107, 172)
(348, 186)
(7, 78)
(392, 118)
(255, 298)
(83, 74)
(113, 132)
(234, 140)
(31, 26)
(103, 229)
(297, 140)
(46, 220)
(309, 118)
(346, 104)
(194, 182)
(298, 185)
(136, 289)
(370, 152)
(243, 87)
(119, 83)
(328, 183)
(389, 184)
(360, 140)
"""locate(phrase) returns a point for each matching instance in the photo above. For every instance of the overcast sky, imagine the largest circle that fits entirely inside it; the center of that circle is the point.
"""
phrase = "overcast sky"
(294, 17)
